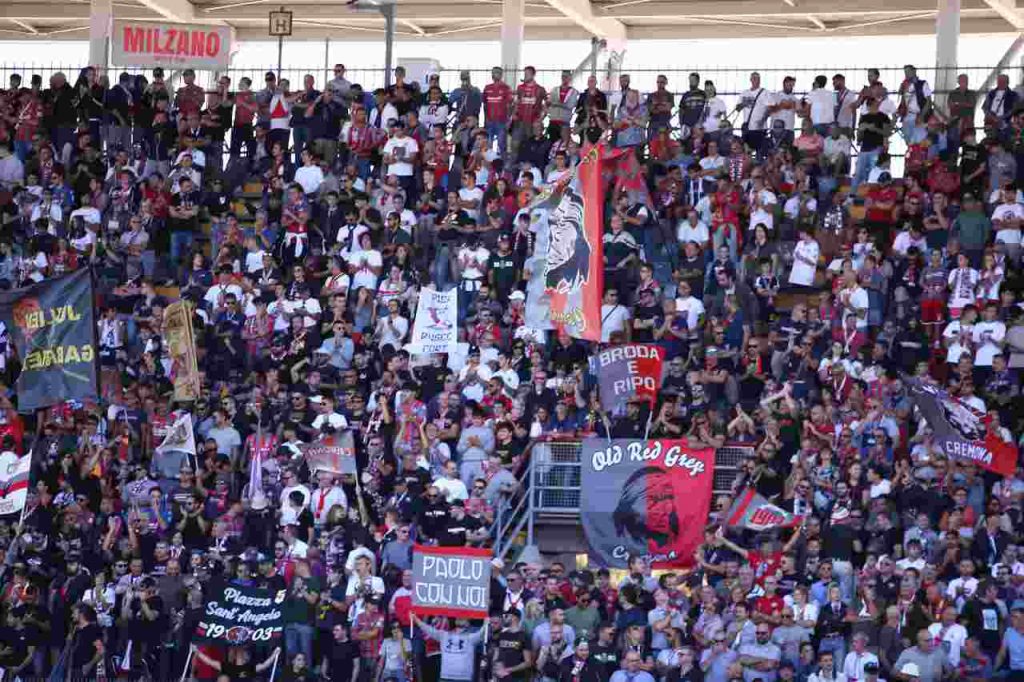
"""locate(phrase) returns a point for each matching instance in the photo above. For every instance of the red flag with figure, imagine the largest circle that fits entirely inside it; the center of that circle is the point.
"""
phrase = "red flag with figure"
(646, 499)
(755, 512)
(569, 222)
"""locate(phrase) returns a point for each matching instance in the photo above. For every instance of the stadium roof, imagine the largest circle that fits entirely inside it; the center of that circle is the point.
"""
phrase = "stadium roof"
(544, 19)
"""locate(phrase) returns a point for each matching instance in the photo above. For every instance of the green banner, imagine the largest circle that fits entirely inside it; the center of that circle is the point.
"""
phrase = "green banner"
(52, 328)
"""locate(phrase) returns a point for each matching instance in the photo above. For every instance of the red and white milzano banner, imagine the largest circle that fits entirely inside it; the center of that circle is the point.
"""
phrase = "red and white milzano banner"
(14, 472)
(150, 43)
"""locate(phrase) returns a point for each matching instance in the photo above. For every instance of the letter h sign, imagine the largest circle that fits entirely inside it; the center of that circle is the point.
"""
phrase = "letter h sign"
(280, 23)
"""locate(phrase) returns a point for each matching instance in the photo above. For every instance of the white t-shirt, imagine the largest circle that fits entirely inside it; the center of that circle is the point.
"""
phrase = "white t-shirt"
(470, 194)
(951, 639)
(693, 308)
(957, 331)
(823, 106)
(716, 163)
(474, 262)
(803, 273)
(310, 178)
(363, 261)
(857, 299)
(403, 150)
(787, 116)
(755, 110)
(986, 336)
(613, 319)
(963, 284)
(254, 261)
(692, 233)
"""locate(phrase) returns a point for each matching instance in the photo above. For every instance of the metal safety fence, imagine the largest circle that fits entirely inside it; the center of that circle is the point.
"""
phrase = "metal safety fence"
(555, 473)
(729, 81)
(550, 488)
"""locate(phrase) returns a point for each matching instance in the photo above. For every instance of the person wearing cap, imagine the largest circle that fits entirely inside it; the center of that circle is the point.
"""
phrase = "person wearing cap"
(466, 100)
(513, 657)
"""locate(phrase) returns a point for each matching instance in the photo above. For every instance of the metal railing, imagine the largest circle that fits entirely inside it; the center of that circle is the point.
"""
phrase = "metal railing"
(729, 81)
(549, 488)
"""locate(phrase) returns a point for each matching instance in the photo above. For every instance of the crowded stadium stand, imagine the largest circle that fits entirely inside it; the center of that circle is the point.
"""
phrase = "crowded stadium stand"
(502, 374)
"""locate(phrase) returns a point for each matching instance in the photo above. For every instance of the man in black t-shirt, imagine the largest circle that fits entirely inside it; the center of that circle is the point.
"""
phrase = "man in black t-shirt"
(460, 528)
(86, 644)
(513, 658)
(341, 656)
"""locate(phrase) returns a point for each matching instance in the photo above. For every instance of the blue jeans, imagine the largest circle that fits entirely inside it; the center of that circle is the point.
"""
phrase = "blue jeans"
(181, 242)
(300, 136)
(865, 162)
(22, 148)
(913, 131)
(298, 639)
(497, 131)
(441, 268)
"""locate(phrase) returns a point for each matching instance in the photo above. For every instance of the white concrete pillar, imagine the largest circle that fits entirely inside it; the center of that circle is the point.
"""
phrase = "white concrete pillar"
(101, 14)
(947, 36)
(512, 22)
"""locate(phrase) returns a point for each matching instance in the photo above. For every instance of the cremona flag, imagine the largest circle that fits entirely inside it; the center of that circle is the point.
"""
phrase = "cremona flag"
(754, 512)
(571, 215)
(14, 472)
(961, 430)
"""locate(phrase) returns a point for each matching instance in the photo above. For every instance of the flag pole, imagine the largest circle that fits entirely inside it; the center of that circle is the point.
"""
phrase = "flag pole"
(273, 668)
(188, 662)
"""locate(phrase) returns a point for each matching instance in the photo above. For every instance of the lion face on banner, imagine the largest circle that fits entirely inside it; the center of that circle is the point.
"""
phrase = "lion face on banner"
(568, 263)
(22, 311)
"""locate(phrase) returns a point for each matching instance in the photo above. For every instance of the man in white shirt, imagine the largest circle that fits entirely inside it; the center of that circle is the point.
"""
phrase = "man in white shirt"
(324, 405)
(1007, 219)
(450, 485)
(689, 306)
(915, 96)
(392, 328)
(988, 336)
(399, 153)
(327, 495)
(958, 335)
(217, 294)
(754, 103)
(949, 635)
(762, 203)
(693, 229)
(784, 105)
(854, 301)
(309, 176)
(614, 317)
(858, 658)
(846, 104)
(805, 259)
(819, 106)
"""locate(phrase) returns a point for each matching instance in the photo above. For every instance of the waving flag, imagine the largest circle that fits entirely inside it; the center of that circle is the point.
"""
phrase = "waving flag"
(755, 512)
(569, 218)
(14, 473)
(961, 430)
(631, 370)
(180, 437)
